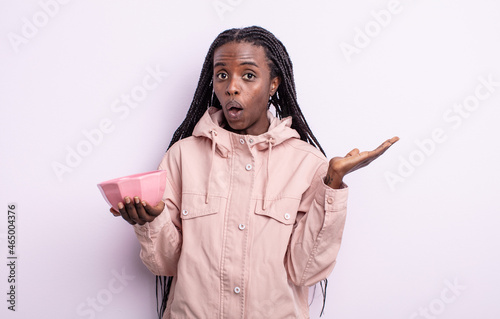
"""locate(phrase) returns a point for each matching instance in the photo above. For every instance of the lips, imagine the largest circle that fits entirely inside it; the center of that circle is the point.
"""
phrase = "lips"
(233, 105)
(234, 110)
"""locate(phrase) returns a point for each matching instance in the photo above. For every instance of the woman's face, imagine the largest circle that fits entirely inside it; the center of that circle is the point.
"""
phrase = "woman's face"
(242, 83)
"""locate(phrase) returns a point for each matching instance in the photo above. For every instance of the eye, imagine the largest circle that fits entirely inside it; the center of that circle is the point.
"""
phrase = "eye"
(249, 76)
(221, 76)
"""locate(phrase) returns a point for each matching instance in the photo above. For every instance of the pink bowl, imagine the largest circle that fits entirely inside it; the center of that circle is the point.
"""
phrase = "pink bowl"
(148, 186)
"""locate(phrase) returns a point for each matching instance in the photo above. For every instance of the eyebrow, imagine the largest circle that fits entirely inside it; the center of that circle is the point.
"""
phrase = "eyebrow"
(242, 63)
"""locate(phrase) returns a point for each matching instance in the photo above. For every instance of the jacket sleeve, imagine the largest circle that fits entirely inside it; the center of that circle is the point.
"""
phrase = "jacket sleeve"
(317, 234)
(161, 239)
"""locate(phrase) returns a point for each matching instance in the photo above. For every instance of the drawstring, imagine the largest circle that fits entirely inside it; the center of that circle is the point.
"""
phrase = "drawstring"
(214, 134)
(270, 141)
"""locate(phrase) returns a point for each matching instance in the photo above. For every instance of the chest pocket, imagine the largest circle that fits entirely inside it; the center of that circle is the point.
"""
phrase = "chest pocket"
(194, 206)
(282, 210)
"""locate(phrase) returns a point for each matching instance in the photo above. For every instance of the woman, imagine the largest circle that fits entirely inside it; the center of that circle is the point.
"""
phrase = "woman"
(253, 212)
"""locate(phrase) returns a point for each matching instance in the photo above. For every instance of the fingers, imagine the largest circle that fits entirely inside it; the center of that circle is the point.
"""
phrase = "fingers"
(357, 159)
(154, 211)
(140, 207)
(125, 210)
(135, 211)
(353, 152)
(114, 212)
(388, 143)
(394, 140)
(382, 148)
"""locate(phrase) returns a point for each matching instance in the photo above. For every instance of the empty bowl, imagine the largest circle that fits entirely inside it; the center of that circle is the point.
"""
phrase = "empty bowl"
(147, 186)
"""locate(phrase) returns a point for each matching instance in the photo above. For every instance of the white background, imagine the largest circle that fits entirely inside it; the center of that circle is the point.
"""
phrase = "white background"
(421, 219)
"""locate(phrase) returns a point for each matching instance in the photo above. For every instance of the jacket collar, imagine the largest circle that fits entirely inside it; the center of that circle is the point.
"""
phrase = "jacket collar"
(213, 120)
(211, 126)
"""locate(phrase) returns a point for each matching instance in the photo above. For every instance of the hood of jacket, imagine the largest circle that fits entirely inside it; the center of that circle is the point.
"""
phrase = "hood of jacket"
(211, 126)
(213, 122)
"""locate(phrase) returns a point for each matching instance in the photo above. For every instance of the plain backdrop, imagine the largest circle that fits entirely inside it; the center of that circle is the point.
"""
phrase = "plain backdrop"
(421, 238)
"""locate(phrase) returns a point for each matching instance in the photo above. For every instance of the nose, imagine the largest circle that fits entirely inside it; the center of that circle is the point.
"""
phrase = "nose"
(232, 87)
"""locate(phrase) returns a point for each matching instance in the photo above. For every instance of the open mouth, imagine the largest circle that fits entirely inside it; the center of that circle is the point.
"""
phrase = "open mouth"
(234, 109)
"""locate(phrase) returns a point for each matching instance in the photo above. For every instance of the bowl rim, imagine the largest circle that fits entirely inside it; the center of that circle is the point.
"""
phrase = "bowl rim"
(114, 180)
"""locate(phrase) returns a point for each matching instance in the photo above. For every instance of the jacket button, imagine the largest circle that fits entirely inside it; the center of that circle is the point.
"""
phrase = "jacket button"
(237, 290)
(287, 216)
(184, 212)
(242, 141)
(248, 167)
(329, 200)
(241, 226)
(251, 140)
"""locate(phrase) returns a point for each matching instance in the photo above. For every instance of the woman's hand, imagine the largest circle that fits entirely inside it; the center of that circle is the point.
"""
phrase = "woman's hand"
(341, 166)
(137, 211)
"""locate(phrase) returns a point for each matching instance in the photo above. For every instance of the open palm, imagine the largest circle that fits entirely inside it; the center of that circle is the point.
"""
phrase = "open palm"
(354, 160)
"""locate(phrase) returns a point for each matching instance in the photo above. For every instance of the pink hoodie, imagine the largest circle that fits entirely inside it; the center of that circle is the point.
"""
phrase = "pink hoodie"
(248, 223)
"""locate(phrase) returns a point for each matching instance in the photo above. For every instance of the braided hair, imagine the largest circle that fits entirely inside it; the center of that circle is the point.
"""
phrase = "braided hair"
(284, 101)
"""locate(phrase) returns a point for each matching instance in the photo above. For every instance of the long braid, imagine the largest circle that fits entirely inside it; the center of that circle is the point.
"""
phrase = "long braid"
(284, 101)
(202, 98)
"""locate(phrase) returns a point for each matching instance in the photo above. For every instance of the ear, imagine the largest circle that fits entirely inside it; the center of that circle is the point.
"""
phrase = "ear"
(275, 83)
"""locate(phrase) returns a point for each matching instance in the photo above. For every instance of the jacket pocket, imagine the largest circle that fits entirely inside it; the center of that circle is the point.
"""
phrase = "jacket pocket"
(283, 210)
(194, 206)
